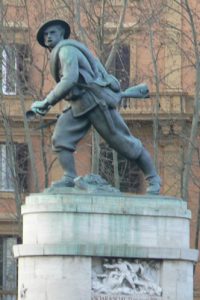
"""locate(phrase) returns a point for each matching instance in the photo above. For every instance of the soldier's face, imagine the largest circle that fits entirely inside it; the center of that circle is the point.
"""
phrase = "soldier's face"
(53, 35)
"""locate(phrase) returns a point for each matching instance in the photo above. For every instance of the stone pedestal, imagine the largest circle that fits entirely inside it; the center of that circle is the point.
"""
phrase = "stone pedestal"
(72, 243)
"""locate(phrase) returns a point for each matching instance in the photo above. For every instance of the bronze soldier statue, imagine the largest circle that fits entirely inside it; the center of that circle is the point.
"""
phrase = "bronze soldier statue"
(93, 95)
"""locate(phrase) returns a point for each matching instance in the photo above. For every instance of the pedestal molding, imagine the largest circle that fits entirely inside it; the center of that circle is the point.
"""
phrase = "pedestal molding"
(107, 204)
(109, 251)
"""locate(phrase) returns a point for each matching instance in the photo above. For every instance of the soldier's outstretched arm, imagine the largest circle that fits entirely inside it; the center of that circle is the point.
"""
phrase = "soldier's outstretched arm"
(70, 73)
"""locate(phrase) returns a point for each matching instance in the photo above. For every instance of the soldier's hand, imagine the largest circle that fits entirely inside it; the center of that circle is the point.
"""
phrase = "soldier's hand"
(41, 107)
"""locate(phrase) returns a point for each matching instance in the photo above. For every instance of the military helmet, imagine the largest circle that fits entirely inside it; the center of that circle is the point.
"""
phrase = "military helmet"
(40, 34)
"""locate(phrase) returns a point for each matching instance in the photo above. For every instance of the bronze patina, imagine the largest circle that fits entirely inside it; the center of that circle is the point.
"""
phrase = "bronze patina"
(93, 95)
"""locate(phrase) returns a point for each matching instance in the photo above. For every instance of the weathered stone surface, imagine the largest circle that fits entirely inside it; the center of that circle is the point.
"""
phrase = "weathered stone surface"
(106, 221)
(50, 278)
(64, 233)
(86, 250)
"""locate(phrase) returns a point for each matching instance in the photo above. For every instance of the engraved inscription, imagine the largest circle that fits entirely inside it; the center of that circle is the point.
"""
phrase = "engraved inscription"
(118, 297)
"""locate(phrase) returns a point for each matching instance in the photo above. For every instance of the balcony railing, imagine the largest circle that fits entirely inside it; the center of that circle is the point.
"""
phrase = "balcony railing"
(169, 104)
(8, 295)
(166, 106)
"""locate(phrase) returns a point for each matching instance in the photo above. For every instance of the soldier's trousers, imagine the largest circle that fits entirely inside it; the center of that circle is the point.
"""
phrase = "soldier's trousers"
(109, 124)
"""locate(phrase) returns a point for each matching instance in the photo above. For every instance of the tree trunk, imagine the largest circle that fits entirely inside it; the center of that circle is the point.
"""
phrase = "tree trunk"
(195, 118)
(116, 169)
(157, 103)
(117, 36)
(30, 146)
(95, 151)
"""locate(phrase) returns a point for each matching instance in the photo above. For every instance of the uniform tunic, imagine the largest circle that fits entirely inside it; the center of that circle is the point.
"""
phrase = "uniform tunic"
(93, 97)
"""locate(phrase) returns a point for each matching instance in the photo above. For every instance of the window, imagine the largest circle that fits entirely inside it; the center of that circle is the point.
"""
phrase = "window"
(13, 166)
(121, 64)
(14, 69)
(129, 173)
(9, 67)
(22, 159)
(1, 262)
(8, 267)
(6, 180)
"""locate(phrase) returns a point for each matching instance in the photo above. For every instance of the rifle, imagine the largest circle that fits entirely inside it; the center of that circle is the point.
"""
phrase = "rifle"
(139, 91)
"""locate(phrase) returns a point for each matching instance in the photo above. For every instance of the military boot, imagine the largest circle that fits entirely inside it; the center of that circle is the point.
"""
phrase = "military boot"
(145, 163)
(66, 160)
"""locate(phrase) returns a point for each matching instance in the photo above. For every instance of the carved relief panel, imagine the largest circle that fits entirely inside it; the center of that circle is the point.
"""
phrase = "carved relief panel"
(125, 279)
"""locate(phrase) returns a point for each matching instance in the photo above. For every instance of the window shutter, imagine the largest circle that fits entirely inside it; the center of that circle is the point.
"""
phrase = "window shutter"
(8, 70)
(9, 267)
(22, 166)
(15, 68)
(17, 173)
(6, 176)
(1, 261)
(22, 61)
(120, 66)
